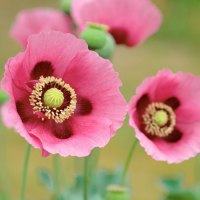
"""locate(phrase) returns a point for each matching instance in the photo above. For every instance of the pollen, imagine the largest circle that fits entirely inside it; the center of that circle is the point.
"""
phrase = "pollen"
(52, 98)
(159, 120)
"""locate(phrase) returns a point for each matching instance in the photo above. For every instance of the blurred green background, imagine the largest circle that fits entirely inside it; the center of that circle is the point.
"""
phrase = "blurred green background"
(175, 46)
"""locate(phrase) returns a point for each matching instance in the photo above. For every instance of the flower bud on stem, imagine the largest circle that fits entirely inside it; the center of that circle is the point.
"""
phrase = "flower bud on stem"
(115, 192)
(99, 40)
(66, 6)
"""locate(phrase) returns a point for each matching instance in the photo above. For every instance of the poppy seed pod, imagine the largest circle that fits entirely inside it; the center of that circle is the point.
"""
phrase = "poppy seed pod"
(117, 193)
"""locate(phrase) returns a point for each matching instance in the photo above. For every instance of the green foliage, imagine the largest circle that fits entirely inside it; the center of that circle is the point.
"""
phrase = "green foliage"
(175, 190)
(181, 195)
(98, 184)
(171, 185)
(3, 97)
(46, 179)
(3, 196)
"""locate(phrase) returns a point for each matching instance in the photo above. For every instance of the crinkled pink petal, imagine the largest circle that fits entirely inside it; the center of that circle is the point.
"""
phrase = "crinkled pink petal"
(12, 75)
(98, 83)
(185, 149)
(178, 152)
(188, 93)
(12, 119)
(7, 117)
(87, 133)
(154, 86)
(185, 87)
(54, 47)
(34, 21)
(130, 21)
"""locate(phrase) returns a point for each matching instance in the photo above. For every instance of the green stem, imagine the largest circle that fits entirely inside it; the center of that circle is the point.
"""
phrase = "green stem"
(3, 169)
(197, 166)
(85, 179)
(25, 170)
(94, 157)
(128, 162)
(56, 175)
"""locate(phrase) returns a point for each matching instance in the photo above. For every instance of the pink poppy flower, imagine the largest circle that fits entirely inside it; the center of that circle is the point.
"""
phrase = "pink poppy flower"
(30, 22)
(129, 21)
(165, 114)
(64, 98)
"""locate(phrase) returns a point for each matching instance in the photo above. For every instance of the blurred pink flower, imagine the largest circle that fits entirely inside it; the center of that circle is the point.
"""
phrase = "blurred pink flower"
(165, 114)
(129, 21)
(30, 22)
(64, 98)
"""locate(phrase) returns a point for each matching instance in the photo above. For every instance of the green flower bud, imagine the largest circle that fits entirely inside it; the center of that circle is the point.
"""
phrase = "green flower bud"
(97, 26)
(3, 97)
(117, 193)
(107, 50)
(66, 6)
(95, 36)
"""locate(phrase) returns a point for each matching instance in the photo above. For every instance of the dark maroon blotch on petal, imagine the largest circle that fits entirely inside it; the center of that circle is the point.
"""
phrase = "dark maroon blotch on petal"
(43, 68)
(142, 104)
(67, 99)
(84, 106)
(175, 136)
(24, 111)
(119, 34)
(173, 102)
(149, 136)
(61, 130)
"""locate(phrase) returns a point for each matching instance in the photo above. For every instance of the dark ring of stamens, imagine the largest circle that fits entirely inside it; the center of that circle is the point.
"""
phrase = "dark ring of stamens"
(153, 128)
(57, 114)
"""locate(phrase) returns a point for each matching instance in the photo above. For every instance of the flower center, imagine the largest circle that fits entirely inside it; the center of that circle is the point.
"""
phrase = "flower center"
(159, 120)
(52, 98)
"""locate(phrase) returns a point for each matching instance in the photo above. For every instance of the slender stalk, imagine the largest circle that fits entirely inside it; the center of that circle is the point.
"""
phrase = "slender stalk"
(94, 157)
(25, 170)
(128, 162)
(197, 168)
(85, 179)
(56, 175)
(3, 169)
